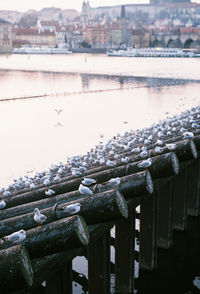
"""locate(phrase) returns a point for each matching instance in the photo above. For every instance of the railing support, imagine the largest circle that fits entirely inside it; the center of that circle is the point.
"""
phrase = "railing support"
(164, 216)
(180, 201)
(124, 254)
(99, 265)
(61, 282)
(148, 231)
(193, 203)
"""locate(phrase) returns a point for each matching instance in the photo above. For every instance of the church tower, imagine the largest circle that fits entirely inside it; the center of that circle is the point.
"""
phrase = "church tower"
(85, 12)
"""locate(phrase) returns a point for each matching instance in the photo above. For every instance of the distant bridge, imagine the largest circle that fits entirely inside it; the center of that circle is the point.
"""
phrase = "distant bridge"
(177, 40)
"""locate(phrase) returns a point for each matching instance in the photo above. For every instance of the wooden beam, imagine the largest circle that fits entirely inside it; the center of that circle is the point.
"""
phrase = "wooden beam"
(58, 236)
(98, 208)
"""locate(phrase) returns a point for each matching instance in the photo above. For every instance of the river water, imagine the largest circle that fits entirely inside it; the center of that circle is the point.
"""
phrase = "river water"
(84, 99)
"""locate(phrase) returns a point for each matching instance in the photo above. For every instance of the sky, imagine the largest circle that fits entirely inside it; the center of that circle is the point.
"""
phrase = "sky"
(24, 5)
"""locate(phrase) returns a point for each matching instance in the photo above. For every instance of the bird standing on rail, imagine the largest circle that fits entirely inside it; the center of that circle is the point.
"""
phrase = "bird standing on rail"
(88, 181)
(145, 163)
(85, 190)
(16, 237)
(2, 204)
(114, 182)
(49, 192)
(72, 208)
(39, 218)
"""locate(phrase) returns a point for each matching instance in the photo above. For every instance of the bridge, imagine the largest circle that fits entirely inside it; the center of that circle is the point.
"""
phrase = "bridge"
(165, 186)
(176, 40)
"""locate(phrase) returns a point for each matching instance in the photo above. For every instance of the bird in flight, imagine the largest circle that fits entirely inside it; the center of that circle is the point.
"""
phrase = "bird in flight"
(58, 111)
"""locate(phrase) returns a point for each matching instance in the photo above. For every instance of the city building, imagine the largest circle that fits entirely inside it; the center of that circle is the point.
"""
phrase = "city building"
(6, 36)
(34, 37)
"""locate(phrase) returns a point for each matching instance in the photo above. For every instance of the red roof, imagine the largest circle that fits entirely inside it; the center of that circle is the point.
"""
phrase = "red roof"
(20, 31)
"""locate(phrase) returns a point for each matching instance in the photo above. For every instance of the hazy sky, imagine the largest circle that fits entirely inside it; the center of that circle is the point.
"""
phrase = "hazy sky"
(23, 5)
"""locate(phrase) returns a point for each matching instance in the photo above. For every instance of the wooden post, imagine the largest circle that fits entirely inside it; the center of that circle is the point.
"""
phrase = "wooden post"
(16, 271)
(99, 265)
(193, 174)
(164, 216)
(180, 201)
(148, 231)
(61, 282)
(124, 254)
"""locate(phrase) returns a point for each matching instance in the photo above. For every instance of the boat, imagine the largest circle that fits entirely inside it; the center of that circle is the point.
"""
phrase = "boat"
(40, 50)
(153, 52)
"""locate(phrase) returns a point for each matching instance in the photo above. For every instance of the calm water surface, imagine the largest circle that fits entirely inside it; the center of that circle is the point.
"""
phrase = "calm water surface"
(90, 97)
(34, 135)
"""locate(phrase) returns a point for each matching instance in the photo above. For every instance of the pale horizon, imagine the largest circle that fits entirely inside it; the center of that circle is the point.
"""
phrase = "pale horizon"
(22, 5)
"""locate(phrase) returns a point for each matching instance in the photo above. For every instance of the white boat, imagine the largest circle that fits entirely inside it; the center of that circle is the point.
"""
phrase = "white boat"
(152, 52)
(40, 50)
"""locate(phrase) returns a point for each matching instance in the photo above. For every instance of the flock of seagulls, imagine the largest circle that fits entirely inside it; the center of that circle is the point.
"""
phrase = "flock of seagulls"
(114, 152)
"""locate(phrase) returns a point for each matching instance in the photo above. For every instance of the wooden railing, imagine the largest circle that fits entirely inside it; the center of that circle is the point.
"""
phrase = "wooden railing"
(167, 192)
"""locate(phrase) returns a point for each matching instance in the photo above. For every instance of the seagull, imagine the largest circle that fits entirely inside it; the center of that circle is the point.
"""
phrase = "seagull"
(85, 190)
(144, 154)
(171, 146)
(158, 150)
(136, 150)
(114, 182)
(7, 193)
(16, 237)
(72, 208)
(196, 282)
(39, 218)
(145, 163)
(110, 163)
(49, 192)
(188, 135)
(2, 204)
(125, 159)
(88, 182)
(58, 111)
(47, 182)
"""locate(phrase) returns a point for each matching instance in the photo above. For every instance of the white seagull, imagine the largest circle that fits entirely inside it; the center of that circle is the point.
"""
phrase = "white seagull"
(72, 208)
(85, 190)
(2, 204)
(171, 146)
(114, 182)
(39, 218)
(16, 237)
(49, 192)
(88, 181)
(145, 163)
